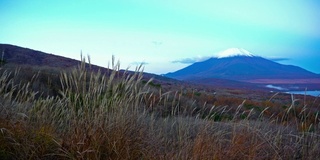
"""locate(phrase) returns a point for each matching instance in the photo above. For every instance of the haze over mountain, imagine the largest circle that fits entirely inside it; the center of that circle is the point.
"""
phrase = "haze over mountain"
(232, 68)
(240, 65)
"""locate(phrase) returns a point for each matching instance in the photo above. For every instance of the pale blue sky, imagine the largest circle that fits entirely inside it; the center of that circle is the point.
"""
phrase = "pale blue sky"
(159, 33)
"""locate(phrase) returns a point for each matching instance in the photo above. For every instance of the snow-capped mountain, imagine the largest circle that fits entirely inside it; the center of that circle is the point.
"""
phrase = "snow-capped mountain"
(241, 65)
(232, 52)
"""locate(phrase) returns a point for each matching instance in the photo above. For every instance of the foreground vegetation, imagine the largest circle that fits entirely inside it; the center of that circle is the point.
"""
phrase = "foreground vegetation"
(121, 116)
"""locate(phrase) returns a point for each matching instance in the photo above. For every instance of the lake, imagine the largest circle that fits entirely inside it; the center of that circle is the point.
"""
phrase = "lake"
(311, 93)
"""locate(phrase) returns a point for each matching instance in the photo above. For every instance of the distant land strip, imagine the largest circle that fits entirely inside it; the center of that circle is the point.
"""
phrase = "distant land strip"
(285, 81)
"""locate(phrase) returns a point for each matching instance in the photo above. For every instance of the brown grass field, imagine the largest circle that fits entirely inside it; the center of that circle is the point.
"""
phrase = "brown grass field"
(80, 114)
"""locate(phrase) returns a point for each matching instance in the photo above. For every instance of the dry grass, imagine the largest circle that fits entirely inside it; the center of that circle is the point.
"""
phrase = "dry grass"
(119, 117)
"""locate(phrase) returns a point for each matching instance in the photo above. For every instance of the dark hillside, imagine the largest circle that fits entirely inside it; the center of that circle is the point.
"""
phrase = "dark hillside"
(24, 56)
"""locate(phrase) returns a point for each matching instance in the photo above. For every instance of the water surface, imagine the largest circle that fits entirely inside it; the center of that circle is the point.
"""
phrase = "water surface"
(310, 93)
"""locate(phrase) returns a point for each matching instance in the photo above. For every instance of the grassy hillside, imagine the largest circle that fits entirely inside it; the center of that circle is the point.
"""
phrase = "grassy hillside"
(82, 113)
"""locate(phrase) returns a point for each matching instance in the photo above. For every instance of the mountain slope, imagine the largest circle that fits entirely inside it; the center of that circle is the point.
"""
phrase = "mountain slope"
(238, 68)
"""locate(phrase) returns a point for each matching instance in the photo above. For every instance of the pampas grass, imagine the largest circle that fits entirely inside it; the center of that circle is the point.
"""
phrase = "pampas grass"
(117, 116)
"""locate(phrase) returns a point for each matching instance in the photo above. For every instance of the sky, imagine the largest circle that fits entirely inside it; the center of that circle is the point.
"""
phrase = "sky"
(165, 35)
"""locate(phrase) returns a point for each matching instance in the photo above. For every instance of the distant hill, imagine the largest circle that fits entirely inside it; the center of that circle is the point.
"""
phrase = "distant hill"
(17, 56)
(244, 67)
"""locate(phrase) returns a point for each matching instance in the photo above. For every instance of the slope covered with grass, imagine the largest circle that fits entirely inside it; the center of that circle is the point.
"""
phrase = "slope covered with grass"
(121, 116)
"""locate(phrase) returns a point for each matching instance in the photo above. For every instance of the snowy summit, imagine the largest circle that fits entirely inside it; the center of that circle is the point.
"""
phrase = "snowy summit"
(232, 52)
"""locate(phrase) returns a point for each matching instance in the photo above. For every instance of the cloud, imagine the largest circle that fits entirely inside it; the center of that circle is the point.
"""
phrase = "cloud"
(157, 43)
(190, 60)
(200, 59)
(185, 61)
(277, 59)
(139, 63)
(275, 87)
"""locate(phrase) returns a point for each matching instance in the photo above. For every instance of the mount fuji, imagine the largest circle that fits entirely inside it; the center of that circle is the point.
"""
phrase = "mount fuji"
(237, 64)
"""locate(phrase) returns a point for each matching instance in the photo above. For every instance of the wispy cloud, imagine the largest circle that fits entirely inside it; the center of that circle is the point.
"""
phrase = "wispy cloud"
(190, 60)
(157, 43)
(275, 87)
